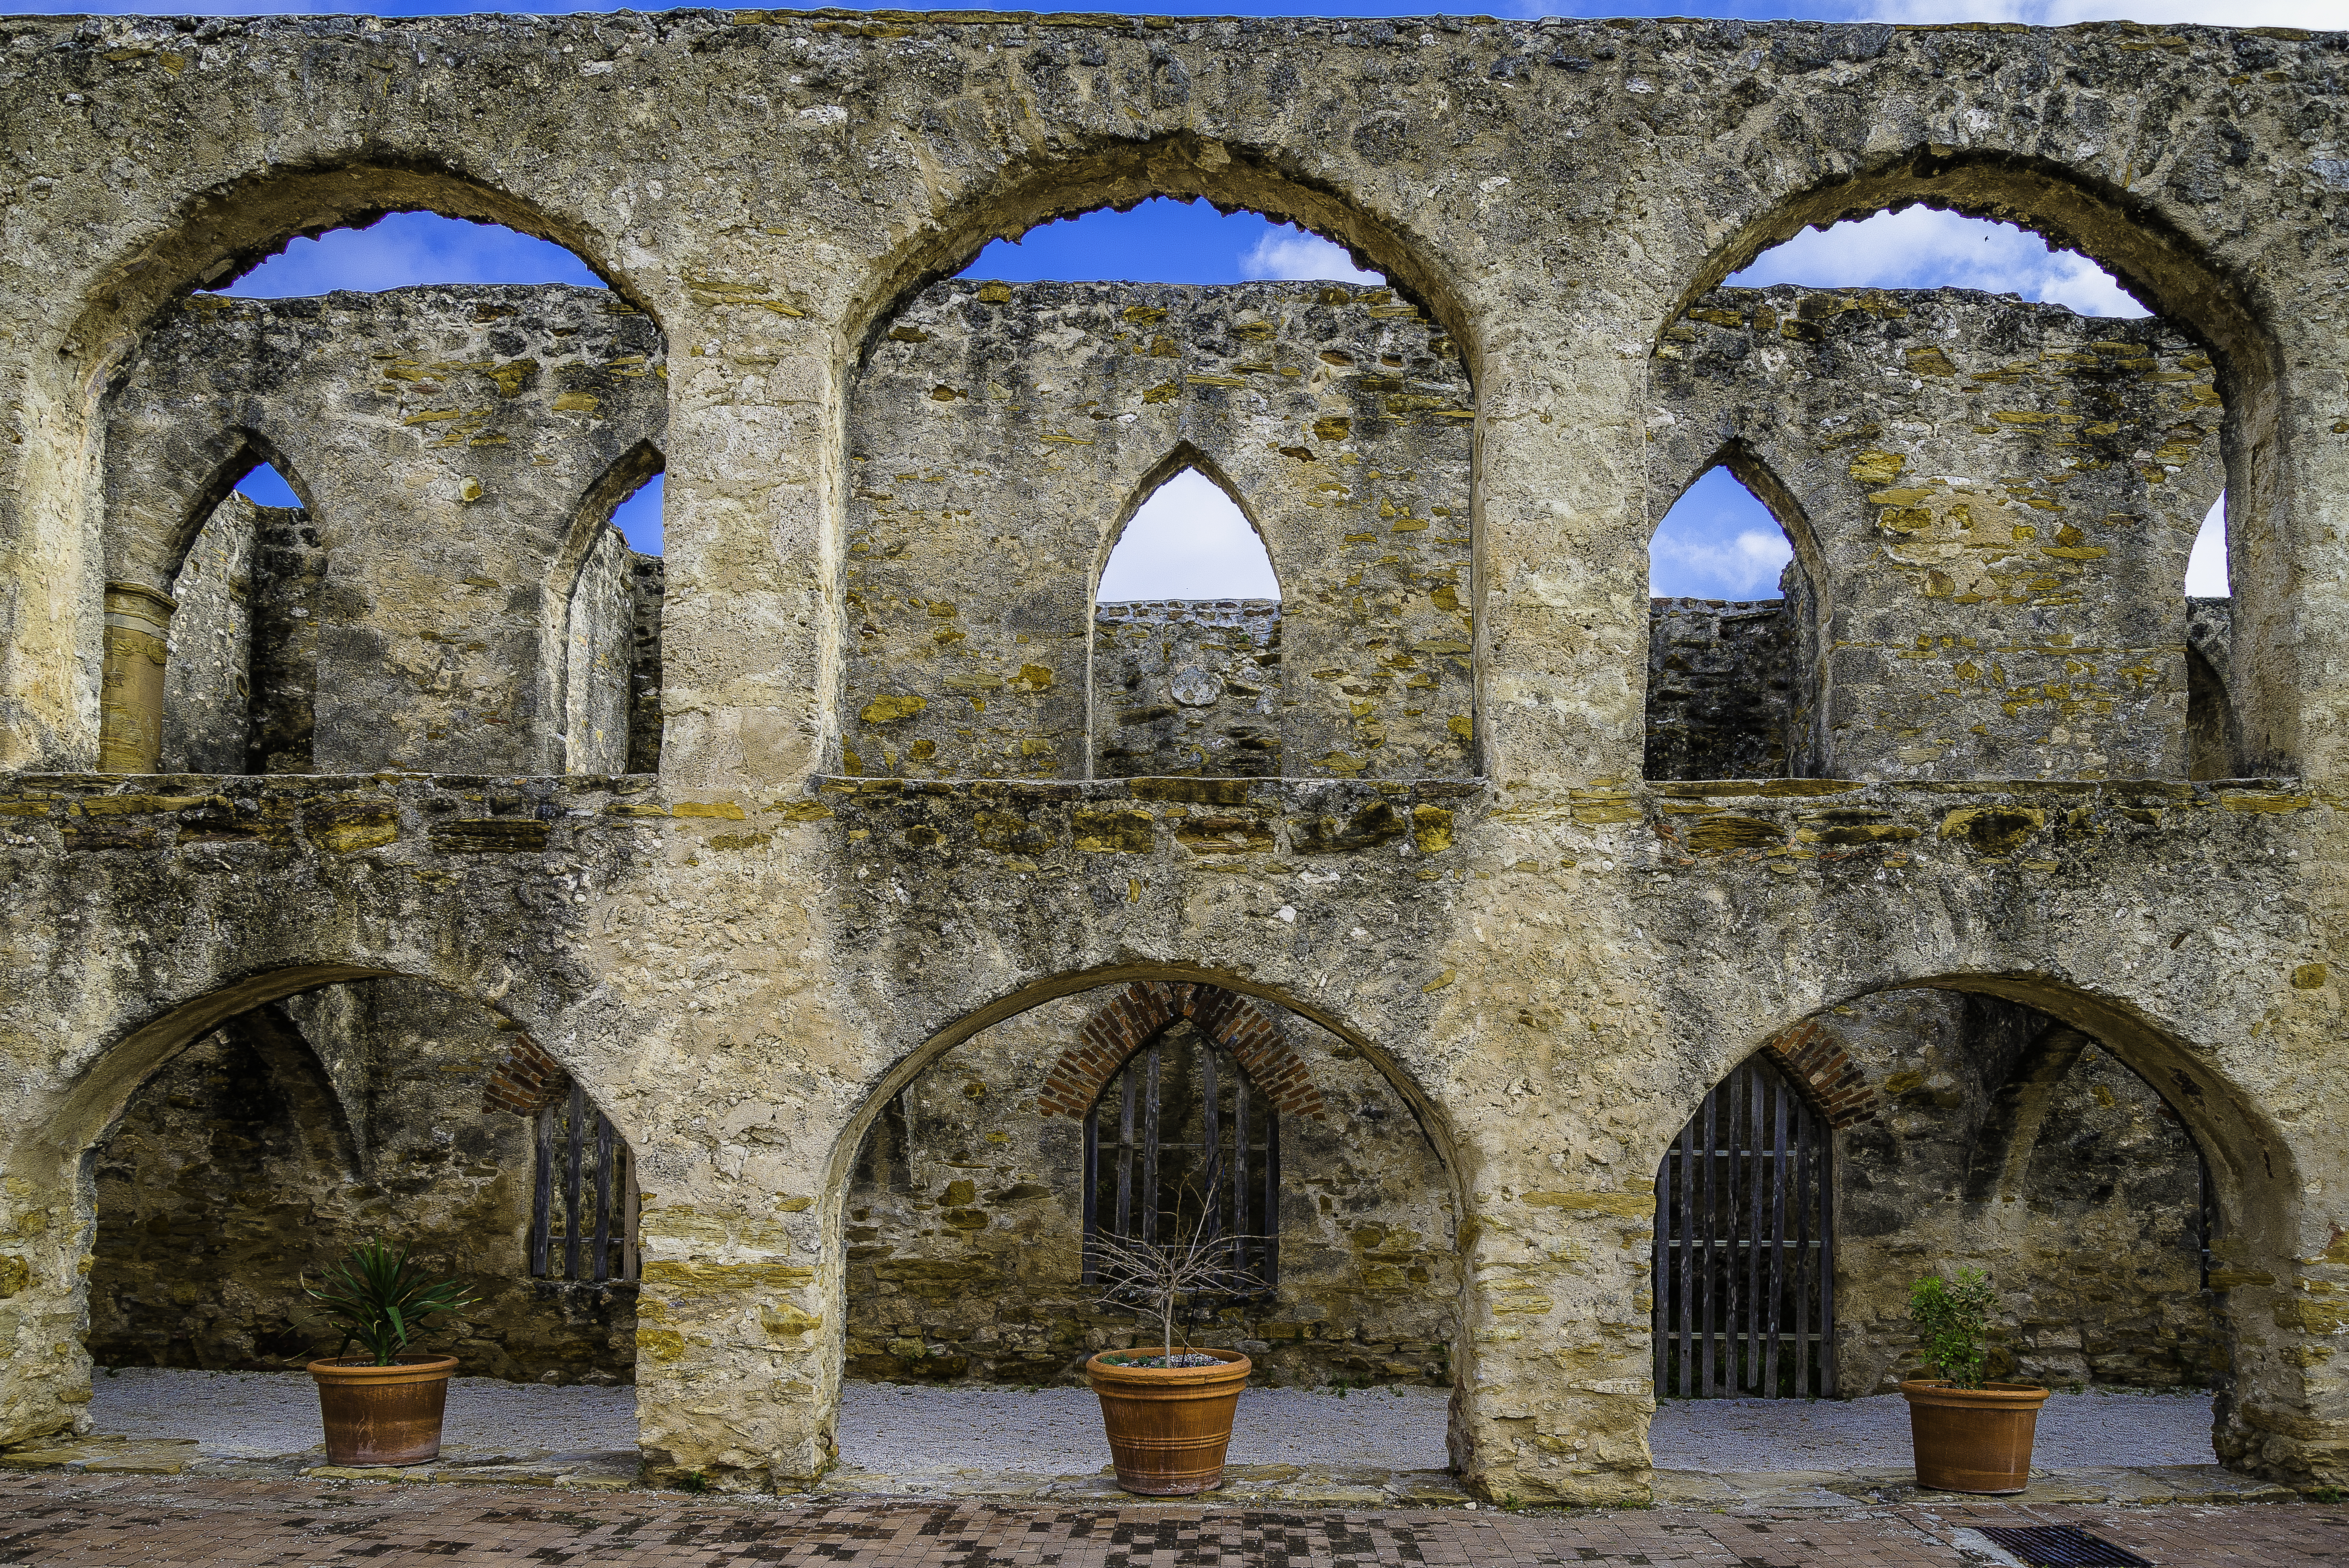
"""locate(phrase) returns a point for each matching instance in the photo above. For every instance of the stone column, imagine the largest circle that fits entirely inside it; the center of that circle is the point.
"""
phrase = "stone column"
(130, 706)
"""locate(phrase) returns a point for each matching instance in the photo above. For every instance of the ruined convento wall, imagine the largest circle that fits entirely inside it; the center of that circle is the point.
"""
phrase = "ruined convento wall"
(745, 956)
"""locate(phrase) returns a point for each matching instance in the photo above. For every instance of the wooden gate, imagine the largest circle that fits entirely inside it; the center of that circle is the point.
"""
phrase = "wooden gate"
(1180, 1144)
(583, 1165)
(1745, 1280)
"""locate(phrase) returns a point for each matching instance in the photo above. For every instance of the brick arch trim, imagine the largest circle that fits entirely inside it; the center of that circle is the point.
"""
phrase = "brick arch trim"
(527, 1081)
(1811, 1056)
(1144, 1008)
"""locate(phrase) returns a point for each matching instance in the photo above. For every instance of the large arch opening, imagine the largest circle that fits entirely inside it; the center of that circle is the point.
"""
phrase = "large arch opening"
(2129, 1205)
(979, 1181)
(1338, 415)
(236, 1149)
(1931, 218)
(160, 493)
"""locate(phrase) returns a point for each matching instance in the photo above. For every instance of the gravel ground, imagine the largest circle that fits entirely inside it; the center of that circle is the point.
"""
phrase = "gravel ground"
(897, 1430)
(263, 1415)
(2090, 1429)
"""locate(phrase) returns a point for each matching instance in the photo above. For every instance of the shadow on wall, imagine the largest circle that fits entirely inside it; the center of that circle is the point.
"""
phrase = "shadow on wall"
(262, 1153)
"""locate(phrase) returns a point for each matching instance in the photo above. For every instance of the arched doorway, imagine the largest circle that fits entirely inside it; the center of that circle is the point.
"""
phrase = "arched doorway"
(1745, 1265)
(981, 1178)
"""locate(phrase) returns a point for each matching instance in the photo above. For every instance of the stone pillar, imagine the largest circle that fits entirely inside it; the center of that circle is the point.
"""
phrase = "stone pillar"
(131, 707)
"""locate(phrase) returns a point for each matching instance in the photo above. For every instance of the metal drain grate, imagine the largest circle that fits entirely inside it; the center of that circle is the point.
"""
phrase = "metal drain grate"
(2062, 1546)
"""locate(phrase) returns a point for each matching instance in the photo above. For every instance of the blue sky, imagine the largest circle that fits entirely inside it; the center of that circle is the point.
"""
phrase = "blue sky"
(1718, 542)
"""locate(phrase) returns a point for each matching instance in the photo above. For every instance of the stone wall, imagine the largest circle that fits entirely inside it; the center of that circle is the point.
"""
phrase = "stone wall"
(965, 1227)
(450, 445)
(1001, 434)
(1995, 501)
(1722, 690)
(258, 1157)
(1187, 687)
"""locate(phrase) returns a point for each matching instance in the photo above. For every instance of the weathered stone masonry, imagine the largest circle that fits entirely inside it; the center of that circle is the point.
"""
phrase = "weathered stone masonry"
(747, 956)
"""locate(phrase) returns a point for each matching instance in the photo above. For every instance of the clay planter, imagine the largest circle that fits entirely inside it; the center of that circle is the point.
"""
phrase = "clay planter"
(1972, 1440)
(1168, 1426)
(383, 1415)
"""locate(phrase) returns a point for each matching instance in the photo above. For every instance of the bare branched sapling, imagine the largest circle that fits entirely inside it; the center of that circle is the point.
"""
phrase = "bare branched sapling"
(1170, 1274)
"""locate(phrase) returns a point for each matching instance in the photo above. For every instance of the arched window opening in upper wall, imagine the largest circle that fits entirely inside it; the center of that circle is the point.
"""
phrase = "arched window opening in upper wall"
(1187, 659)
(405, 250)
(1166, 240)
(1719, 542)
(1728, 630)
(612, 658)
(240, 673)
(1188, 540)
(2208, 574)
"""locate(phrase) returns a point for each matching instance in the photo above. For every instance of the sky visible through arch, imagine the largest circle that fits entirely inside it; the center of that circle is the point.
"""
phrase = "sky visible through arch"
(1718, 541)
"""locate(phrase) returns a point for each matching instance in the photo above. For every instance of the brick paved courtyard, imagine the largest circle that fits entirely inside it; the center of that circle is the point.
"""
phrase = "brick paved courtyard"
(98, 1521)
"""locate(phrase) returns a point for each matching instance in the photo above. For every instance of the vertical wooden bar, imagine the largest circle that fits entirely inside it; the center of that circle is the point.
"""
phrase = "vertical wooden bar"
(1132, 1085)
(1684, 1259)
(1827, 1261)
(1725, 1278)
(1802, 1271)
(630, 1200)
(1659, 1295)
(1754, 1307)
(574, 1146)
(602, 1269)
(1150, 1147)
(1241, 1133)
(1780, 1093)
(1211, 1142)
(1091, 1262)
(1271, 1194)
(1709, 1352)
(542, 1187)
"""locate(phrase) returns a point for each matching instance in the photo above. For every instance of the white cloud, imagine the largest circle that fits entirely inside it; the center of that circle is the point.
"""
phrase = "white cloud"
(1746, 566)
(2312, 13)
(1188, 541)
(1921, 248)
(2207, 576)
(1288, 251)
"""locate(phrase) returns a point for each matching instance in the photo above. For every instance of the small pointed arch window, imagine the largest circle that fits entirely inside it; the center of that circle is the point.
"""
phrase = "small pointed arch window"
(1188, 540)
(1180, 1145)
(1732, 668)
(1718, 542)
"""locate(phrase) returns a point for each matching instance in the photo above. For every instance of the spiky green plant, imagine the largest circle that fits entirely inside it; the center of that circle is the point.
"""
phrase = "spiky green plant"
(1952, 1319)
(381, 1300)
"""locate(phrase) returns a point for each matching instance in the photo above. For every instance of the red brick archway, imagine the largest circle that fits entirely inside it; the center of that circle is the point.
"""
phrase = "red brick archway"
(1144, 1008)
(526, 1082)
(1813, 1058)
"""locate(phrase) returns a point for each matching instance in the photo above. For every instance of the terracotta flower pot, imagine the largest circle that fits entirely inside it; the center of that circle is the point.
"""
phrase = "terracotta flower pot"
(383, 1415)
(1972, 1440)
(1168, 1426)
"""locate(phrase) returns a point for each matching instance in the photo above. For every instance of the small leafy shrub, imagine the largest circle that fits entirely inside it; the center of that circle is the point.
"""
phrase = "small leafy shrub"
(380, 1300)
(1952, 1319)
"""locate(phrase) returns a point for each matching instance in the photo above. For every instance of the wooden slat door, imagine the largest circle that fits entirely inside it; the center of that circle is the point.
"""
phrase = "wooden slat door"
(583, 1194)
(1744, 1255)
